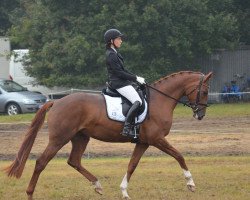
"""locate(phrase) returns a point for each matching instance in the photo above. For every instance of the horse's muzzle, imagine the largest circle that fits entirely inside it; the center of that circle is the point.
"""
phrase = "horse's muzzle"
(199, 111)
(197, 116)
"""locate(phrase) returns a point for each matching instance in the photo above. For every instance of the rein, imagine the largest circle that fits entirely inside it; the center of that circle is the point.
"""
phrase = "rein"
(194, 106)
(166, 95)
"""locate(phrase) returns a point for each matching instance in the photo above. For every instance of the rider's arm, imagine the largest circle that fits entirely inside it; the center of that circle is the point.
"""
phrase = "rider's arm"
(115, 67)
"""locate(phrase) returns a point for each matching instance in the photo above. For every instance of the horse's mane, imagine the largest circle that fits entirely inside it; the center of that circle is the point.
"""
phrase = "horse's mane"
(175, 74)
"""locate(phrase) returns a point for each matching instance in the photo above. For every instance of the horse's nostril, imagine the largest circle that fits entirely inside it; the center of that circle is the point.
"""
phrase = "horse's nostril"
(200, 117)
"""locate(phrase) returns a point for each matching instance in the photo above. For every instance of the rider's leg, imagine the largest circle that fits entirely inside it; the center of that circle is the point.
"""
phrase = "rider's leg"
(130, 118)
(130, 93)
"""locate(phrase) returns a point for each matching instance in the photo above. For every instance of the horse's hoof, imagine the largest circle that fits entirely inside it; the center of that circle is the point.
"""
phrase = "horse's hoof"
(99, 191)
(191, 188)
(126, 198)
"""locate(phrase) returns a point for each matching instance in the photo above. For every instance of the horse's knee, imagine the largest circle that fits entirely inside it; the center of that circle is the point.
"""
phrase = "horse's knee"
(73, 164)
(40, 166)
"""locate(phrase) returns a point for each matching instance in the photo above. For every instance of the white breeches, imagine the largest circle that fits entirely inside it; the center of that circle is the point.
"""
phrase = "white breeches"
(130, 93)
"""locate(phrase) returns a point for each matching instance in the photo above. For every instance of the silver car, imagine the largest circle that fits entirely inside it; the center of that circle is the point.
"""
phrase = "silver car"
(15, 99)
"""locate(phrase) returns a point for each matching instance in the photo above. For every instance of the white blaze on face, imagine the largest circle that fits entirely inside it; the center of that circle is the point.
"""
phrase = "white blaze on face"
(195, 116)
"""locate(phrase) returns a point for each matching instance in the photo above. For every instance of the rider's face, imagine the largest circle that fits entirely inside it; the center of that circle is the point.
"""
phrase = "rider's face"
(117, 42)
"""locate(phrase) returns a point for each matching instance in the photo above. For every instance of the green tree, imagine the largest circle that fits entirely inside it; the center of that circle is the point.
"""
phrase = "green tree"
(66, 44)
(242, 12)
(6, 7)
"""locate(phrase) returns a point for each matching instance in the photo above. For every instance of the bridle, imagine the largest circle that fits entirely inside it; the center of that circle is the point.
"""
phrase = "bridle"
(194, 105)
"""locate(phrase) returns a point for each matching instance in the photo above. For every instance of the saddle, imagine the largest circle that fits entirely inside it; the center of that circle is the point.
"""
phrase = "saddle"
(118, 106)
(126, 104)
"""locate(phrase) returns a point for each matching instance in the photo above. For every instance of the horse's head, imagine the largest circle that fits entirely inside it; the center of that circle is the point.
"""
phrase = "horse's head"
(197, 95)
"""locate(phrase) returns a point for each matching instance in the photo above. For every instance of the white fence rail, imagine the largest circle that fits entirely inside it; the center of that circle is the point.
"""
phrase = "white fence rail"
(56, 95)
(218, 97)
(215, 97)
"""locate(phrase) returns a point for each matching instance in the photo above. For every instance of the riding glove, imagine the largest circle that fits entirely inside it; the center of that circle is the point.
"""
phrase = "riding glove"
(140, 80)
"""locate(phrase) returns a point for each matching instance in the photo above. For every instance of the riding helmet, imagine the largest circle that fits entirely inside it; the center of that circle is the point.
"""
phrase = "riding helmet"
(111, 34)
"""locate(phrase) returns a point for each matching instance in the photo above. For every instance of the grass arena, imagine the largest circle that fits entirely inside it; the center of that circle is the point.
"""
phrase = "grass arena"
(216, 150)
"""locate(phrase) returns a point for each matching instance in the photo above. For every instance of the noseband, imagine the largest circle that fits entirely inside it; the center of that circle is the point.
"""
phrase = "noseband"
(193, 105)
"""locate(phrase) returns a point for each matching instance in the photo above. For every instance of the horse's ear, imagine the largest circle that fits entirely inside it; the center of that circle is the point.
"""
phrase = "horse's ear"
(208, 76)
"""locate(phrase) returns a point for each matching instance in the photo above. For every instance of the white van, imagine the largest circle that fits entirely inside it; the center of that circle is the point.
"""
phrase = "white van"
(16, 71)
(18, 74)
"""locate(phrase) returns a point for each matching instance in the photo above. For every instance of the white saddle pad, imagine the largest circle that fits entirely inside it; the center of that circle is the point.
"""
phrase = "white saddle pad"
(114, 109)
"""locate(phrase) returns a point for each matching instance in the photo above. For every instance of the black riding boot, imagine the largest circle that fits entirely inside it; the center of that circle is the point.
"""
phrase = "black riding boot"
(128, 125)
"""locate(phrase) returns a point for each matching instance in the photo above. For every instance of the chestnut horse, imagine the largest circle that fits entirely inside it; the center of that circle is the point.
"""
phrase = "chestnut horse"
(80, 116)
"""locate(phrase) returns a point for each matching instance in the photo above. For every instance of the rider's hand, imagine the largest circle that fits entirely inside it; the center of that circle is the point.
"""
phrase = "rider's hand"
(140, 80)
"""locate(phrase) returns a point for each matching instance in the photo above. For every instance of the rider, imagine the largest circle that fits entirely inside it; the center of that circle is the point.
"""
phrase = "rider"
(121, 79)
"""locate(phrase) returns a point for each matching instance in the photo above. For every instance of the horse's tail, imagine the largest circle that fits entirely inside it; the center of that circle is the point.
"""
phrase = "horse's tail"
(16, 168)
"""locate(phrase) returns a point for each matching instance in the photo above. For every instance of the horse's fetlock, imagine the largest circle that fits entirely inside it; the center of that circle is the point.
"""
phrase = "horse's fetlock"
(97, 184)
(29, 192)
(188, 178)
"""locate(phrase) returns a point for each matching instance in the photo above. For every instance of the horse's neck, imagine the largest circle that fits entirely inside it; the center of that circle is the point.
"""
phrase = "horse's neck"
(174, 87)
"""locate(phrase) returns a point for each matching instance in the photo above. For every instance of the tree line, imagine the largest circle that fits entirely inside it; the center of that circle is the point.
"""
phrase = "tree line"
(66, 44)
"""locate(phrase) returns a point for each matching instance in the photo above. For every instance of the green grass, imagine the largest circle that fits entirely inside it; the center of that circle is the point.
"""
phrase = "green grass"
(158, 178)
(16, 118)
(241, 109)
(215, 110)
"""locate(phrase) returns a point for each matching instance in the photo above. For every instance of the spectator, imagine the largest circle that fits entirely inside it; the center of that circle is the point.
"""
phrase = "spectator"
(226, 90)
(235, 89)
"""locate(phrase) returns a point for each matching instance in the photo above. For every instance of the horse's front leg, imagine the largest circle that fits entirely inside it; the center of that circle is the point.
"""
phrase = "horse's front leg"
(136, 156)
(163, 145)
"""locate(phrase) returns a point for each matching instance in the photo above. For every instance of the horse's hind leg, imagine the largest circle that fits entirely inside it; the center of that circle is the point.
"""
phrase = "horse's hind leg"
(79, 144)
(163, 145)
(41, 163)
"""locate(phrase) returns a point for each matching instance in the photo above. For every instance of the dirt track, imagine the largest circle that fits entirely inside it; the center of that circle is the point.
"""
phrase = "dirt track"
(216, 136)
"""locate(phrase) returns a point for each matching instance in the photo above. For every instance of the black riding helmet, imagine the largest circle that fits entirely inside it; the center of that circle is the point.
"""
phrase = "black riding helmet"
(111, 34)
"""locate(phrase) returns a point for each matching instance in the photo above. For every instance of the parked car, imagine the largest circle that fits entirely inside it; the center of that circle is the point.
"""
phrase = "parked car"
(16, 99)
